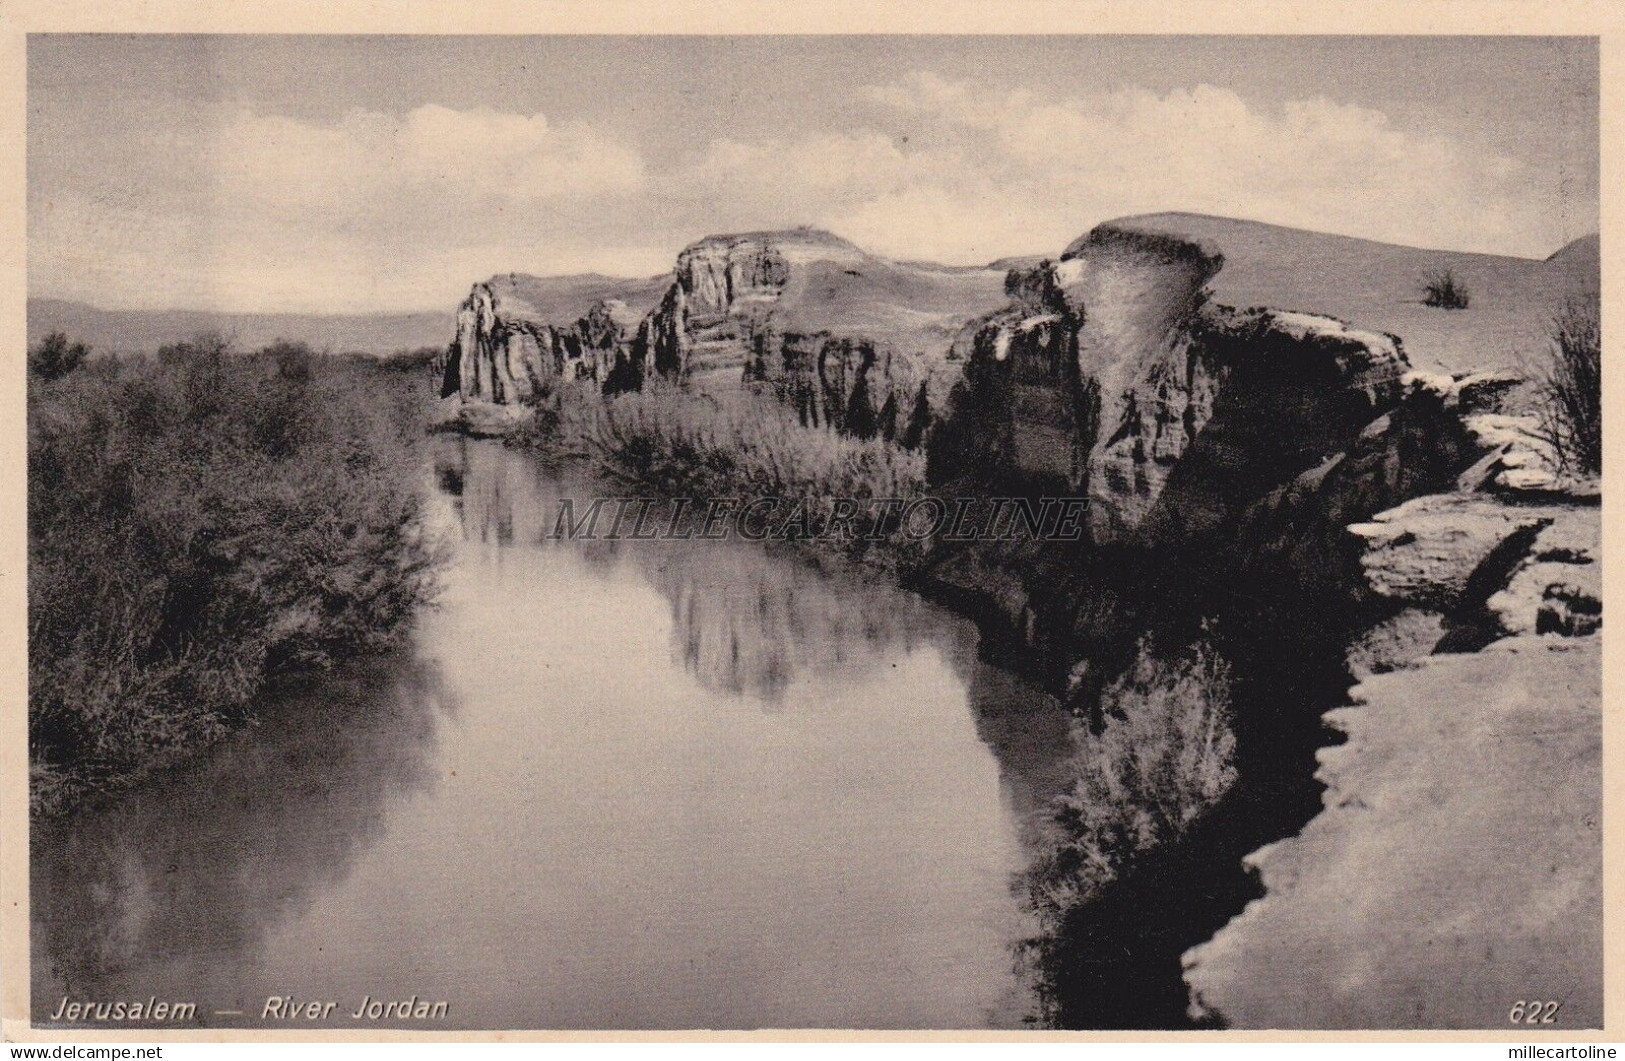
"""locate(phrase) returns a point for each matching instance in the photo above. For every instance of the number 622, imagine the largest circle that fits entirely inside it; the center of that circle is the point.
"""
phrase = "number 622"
(1534, 1012)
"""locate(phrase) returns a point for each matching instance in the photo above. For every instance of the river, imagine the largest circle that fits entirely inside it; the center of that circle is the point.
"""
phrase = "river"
(608, 785)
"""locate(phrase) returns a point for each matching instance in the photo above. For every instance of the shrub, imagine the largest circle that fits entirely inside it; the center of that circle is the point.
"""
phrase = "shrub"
(1570, 387)
(1441, 289)
(685, 443)
(1163, 757)
(55, 357)
(198, 524)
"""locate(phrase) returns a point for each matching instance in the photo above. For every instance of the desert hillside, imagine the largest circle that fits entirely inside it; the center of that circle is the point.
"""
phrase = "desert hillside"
(1378, 286)
(911, 307)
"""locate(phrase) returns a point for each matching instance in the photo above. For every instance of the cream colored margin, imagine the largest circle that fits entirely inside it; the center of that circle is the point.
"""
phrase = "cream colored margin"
(1406, 17)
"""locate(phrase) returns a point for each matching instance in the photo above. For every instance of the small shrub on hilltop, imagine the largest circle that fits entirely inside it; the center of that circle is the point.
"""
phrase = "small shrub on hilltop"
(1570, 387)
(198, 524)
(1443, 291)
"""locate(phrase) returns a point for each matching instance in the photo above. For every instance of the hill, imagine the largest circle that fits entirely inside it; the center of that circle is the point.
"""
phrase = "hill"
(1378, 286)
(144, 331)
(912, 307)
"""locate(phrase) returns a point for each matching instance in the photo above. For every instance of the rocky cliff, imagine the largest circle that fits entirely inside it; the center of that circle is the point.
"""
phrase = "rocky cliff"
(516, 334)
(849, 339)
(1238, 445)
(1113, 373)
(1476, 720)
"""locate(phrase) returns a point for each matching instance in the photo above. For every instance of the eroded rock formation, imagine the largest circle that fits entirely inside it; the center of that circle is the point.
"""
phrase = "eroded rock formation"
(518, 334)
(1112, 374)
(849, 339)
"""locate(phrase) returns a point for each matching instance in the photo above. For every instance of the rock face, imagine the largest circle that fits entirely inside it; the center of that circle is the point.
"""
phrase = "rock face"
(1111, 374)
(516, 334)
(1409, 885)
(725, 288)
(1420, 446)
(849, 339)
(1148, 383)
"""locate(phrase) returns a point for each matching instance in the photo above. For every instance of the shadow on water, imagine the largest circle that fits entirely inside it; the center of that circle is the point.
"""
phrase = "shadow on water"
(747, 623)
(201, 863)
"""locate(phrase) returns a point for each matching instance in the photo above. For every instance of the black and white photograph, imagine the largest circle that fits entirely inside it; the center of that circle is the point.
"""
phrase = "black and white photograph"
(555, 532)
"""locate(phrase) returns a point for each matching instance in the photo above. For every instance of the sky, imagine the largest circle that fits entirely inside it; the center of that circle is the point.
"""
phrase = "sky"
(384, 174)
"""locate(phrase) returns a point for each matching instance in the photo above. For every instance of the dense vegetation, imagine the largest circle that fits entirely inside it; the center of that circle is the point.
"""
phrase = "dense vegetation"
(199, 524)
(1163, 756)
(684, 443)
(1570, 386)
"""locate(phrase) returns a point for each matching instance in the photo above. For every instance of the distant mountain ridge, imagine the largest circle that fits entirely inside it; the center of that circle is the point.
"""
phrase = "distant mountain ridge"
(143, 331)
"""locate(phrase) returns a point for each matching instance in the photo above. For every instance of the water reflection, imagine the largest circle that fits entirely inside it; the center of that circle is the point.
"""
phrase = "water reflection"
(746, 622)
(743, 621)
(192, 871)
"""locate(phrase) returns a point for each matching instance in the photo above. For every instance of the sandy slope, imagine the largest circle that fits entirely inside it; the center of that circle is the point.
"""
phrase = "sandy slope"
(1377, 286)
(1457, 868)
(563, 300)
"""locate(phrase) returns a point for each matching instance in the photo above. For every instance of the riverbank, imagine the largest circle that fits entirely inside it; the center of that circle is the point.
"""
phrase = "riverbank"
(1456, 868)
(202, 524)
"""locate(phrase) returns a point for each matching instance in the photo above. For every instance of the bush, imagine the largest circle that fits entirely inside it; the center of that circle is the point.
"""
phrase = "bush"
(1442, 290)
(1162, 759)
(683, 443)
(1570, 387)
(198, 524)
(55, 357)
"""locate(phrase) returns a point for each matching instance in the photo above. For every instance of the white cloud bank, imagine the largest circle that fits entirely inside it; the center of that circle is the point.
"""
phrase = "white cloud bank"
(378, 211)
(1053, 168)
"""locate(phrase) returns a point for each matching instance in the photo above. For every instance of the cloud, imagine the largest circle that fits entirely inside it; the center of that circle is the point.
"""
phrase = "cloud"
(370, 164)
(235, 208)
(985, 173)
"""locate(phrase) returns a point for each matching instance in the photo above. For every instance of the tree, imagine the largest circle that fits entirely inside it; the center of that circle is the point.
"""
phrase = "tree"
(55, 357)
(293, 360)
(919, 420)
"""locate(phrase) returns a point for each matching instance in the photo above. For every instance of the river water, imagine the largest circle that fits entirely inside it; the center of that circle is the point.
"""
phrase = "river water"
(608, 785)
